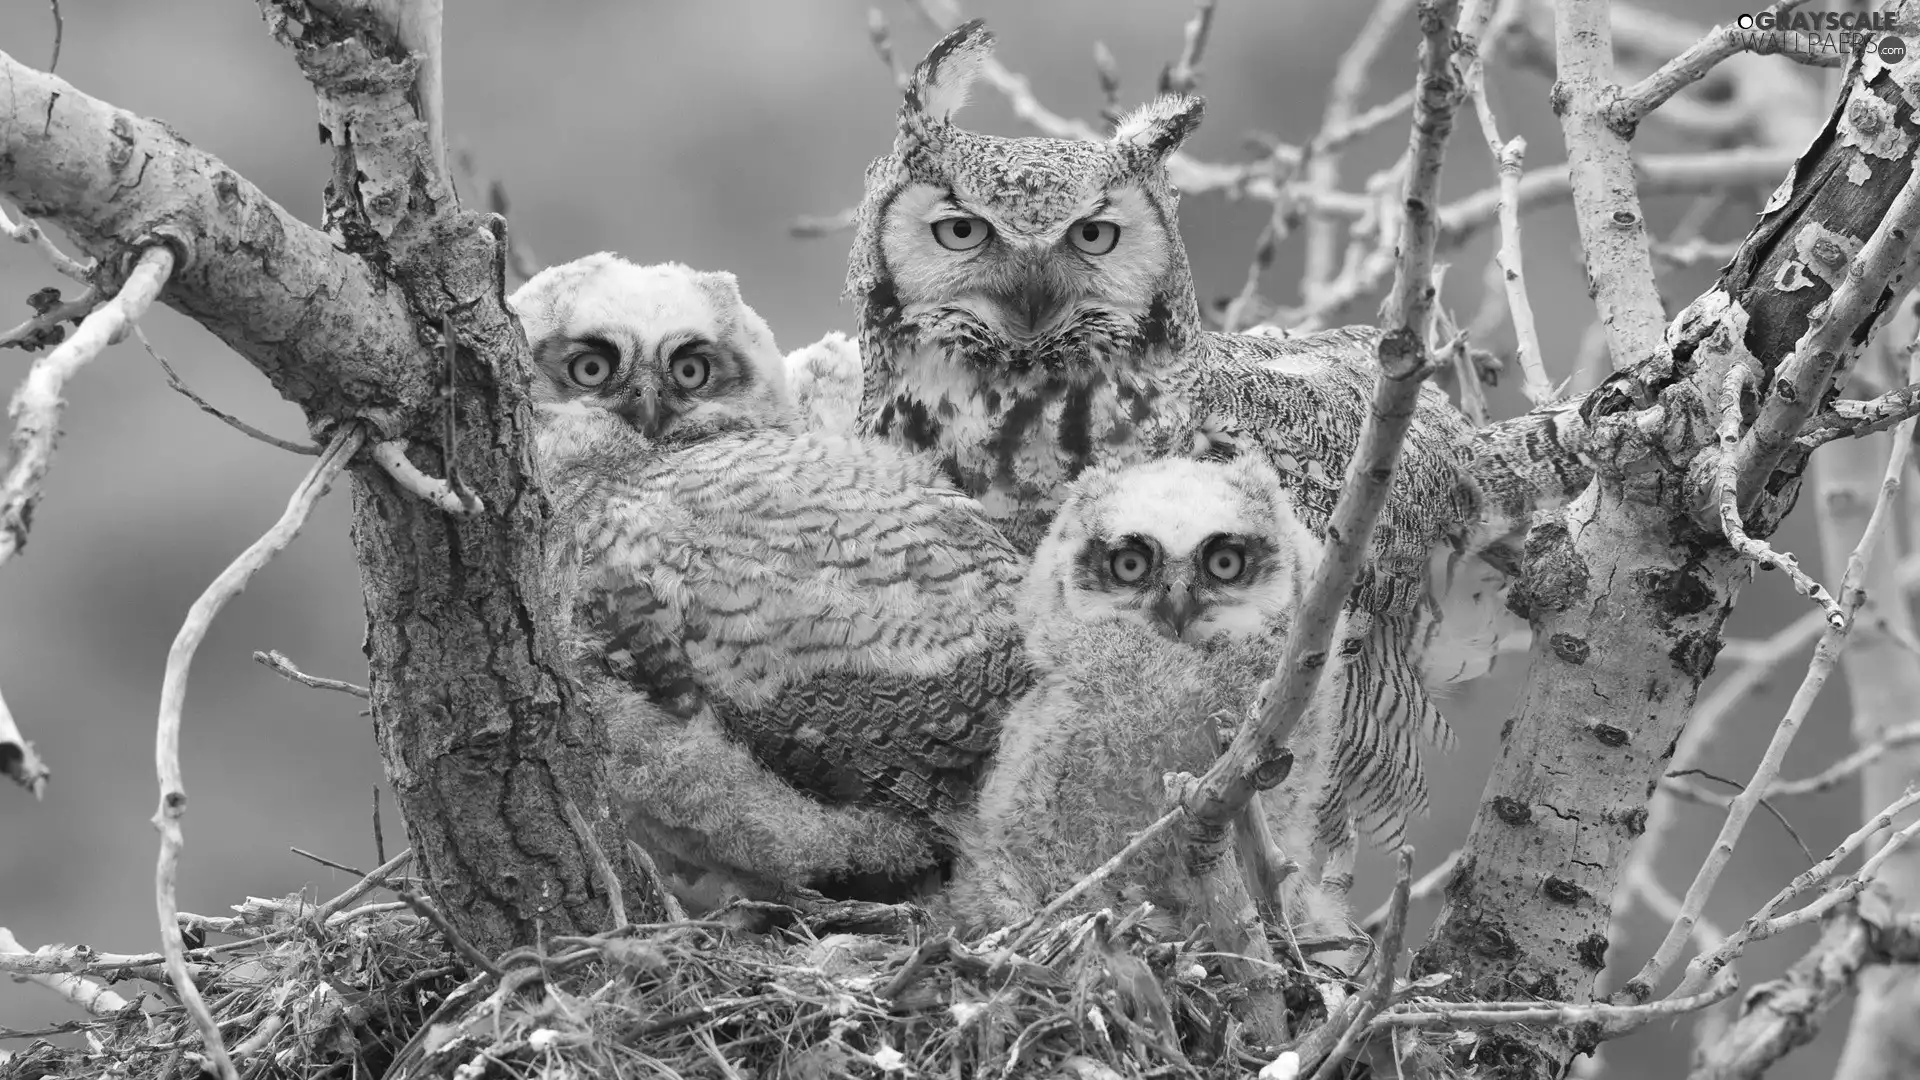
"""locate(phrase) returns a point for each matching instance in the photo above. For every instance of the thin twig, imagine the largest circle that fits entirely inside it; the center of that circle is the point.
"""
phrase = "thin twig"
(277, 661)
(1386, 961)
(324, 861)
(1031, 925)
(392, 457)
(609, 879)
(1850, 766)
(37, 404)
(1427, 887)
(234, 422)
(45, 327)
(375, 879)
(28, 231)
(1846, 890)
(1611, 1021)
(1852, 419)
(1234, 777)
(1633, 105)
(379, 837)
(17, 757)
(173, 689)
(1825, 656)
(1760, 924)
(474, 957)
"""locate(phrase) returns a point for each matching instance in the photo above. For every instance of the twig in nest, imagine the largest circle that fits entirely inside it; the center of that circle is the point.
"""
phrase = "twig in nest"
(1183, 75)
(234, 422)
(326, 862)
(1427, 887)
(1026, 928)
(81, 991)
(1805, 376)
(379, 837)
(609, 879)
(1727, 498)
(17, 757)
(37, 405)
(374, 879)
(50, 312)
(392, 457)
(1247, 765)
(1612, 1021)
(668, 902)
(474, 957)
(1377, 994)
(28, 231)
(1635, 104)
(277, 661)
(1764, 923)
(173, 690)
(1825, 656)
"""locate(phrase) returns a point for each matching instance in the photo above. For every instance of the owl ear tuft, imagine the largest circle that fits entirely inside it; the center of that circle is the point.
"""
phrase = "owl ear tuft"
(939, 84)
(1161, 125)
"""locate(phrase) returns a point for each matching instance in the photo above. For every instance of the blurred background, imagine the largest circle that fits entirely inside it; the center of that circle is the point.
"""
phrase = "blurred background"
(693, 132)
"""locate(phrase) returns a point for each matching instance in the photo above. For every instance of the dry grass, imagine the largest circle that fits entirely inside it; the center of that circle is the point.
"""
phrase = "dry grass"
(382, 993)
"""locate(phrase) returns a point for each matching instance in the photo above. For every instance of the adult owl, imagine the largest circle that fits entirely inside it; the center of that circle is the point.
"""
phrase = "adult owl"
(1027, 312)
(1154, 611)
(829, 606)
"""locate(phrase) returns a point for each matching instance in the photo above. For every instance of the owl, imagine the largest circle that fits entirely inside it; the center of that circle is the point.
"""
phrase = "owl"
(826, 383)
(1154, 609)
(1027, 313)
(827, 606)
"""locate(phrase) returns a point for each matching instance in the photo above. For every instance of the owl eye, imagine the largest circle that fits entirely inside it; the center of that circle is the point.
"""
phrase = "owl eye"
(1129, 564)
(1226, 563)
(961, 233)
(589, 369)
(691, 372)
(1094, 237)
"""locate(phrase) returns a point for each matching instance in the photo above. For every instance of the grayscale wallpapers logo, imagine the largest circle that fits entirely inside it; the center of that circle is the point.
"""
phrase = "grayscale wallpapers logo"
(1840, 33)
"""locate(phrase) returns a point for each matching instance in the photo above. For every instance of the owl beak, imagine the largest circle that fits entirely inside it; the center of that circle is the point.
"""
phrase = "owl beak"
(1175, 609)
(640, 411)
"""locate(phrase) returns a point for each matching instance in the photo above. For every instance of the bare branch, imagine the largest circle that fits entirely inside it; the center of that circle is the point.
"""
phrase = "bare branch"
(1851, 419)
(17, 757)
(173, 794)
(609, 880)
(81, 991)
(1246, 766)
(1608, 1021)
(1850, 766)
(28, 231)
(1426, 888)
(37, 404)
(1343, 102)
(234, 422)
(1689, 67)
(1785, 1013)
(1613, 232)
(1183, 75)
(1386, 961)
(392, 457)
(277, 661)
(668, 902)
(1825, 655)
(45, 327)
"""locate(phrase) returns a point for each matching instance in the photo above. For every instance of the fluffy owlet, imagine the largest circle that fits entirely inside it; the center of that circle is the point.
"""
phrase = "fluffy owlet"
(1155, 609)
(1027, 312)
(821, 629)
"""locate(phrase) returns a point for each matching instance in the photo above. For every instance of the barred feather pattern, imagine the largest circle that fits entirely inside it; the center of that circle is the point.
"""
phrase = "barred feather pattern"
(1017, 402)
(845, 614)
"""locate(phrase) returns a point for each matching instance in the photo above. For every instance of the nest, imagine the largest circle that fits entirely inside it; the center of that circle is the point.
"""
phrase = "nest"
(381, 992)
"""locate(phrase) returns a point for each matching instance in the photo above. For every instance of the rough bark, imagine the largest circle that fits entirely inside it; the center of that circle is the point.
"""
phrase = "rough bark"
(1627, 597)
(470, 705)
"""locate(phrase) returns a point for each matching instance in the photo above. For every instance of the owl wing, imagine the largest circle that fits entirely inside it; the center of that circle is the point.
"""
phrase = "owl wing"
(1422, 617)
(846, 614)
